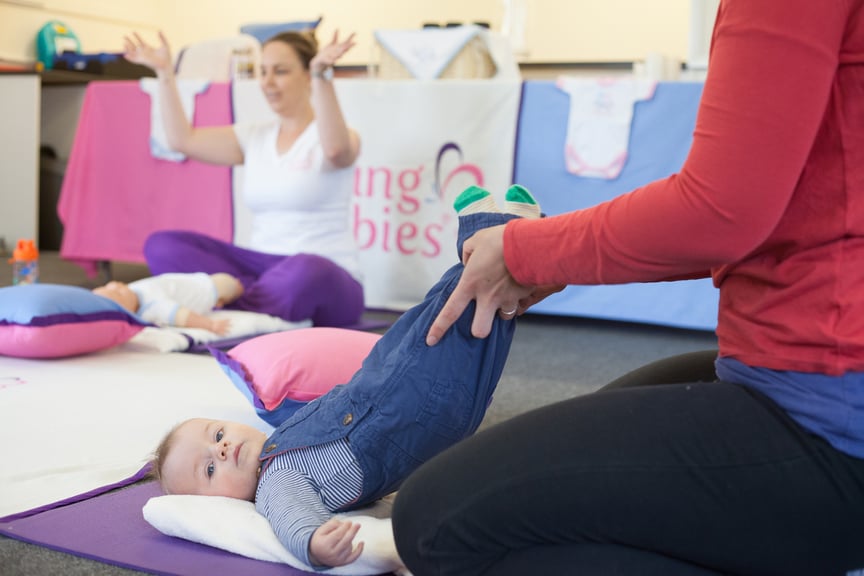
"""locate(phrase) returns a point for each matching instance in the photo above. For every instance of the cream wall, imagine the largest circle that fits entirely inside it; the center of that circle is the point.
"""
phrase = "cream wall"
(554, 30)
(226, 17)
(98, 24)
(605, 30)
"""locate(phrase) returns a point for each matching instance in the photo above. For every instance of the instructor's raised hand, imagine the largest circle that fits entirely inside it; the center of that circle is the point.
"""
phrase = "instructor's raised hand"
(138, 51)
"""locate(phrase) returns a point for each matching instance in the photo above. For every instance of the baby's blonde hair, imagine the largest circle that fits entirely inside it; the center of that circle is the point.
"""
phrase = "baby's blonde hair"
(157, 462)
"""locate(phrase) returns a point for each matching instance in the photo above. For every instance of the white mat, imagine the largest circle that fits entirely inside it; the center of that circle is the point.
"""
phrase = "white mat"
(76, 424)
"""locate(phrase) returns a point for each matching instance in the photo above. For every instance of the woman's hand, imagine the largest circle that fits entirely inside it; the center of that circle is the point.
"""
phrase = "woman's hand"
(156, 57)
(487, 281)
(539, 293)
(332, 544)
(328, 55)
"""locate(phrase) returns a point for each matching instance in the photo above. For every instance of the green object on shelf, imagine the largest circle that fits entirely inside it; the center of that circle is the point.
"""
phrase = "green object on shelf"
(55, 38)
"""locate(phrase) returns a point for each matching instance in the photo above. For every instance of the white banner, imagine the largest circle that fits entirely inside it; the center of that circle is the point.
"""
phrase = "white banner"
(423, 142)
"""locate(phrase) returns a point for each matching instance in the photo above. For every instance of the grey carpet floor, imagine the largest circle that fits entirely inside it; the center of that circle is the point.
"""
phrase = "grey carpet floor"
(552, 359)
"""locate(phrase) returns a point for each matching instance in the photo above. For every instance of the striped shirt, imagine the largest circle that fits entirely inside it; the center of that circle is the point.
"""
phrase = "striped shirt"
(300, 489)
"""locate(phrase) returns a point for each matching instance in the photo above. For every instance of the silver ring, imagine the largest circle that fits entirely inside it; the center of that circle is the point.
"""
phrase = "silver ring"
(510, 313)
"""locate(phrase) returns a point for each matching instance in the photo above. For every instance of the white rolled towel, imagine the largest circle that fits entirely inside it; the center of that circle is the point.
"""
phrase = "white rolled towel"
(234, 525)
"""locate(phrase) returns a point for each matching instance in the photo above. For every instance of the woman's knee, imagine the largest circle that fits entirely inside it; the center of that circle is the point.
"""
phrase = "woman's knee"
(437, 527)
(333, 297)
(157, 242)
(307, 287)
(683, 368)
(407, 519)
(160, 250)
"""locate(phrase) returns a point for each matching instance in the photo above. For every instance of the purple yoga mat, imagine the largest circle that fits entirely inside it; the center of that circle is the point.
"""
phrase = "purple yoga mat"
(111, 528)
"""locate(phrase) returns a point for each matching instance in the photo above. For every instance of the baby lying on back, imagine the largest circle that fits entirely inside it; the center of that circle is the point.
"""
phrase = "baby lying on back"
(177, 299)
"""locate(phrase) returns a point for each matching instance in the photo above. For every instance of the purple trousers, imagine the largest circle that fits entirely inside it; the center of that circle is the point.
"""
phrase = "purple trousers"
(295, 288)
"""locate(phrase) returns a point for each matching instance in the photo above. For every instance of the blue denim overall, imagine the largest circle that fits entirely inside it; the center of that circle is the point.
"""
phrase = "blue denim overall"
(409, 401)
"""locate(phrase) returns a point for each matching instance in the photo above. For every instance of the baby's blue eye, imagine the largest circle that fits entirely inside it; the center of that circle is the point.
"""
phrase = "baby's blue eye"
(210, 469)
(219, 435)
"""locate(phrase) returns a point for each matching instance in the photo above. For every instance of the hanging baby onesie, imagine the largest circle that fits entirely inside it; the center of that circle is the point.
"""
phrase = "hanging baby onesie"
(426, 53)
(598, 127)
(188, 89)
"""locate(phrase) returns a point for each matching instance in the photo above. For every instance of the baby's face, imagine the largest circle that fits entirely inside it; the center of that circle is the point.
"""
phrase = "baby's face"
(119, 293)
(213, 458)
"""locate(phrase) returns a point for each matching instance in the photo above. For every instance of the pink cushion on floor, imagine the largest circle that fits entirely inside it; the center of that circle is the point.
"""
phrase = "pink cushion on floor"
(301, 364)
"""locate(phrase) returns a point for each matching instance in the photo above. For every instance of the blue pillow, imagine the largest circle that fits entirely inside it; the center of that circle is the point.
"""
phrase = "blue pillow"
(53, 321)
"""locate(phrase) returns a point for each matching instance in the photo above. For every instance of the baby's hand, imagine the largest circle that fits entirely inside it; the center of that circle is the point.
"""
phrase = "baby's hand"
(220, 325)
(332, 543)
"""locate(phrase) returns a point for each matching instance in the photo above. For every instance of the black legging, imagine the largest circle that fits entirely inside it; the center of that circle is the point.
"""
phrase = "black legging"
(689, 367)
(691, 478)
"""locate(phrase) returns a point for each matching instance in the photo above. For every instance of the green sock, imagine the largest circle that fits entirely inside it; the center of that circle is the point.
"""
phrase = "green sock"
(520, 202)
(473, 200)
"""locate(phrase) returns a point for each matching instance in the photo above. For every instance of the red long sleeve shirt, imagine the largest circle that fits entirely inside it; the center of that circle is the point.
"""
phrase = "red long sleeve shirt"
(770, 200)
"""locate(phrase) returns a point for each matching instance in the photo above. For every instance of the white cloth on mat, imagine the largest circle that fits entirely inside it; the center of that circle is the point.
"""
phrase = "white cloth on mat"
(158, 141)
(234, 525)
(243, 324)
(598, 126)
(426, 53)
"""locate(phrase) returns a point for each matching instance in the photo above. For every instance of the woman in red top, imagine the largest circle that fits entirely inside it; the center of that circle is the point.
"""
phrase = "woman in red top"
(760, 472)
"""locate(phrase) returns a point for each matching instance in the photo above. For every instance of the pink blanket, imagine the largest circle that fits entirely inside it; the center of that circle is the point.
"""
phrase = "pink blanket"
(115, 193)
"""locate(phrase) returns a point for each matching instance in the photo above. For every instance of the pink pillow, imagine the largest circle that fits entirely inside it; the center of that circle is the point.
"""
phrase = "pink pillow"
(61, 340)
(281, 372)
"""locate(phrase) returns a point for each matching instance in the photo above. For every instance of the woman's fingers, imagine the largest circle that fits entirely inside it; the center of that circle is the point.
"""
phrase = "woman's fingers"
(453, 309)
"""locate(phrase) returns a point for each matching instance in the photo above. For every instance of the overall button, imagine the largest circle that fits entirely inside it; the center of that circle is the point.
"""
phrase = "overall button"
(270, 448)
(347, 419)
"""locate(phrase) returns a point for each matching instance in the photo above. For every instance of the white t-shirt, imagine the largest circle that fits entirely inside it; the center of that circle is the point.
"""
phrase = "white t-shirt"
(299, 202)
(159, 297)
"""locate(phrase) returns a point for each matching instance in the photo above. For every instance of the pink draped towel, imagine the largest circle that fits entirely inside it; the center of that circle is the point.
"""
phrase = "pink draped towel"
(115, 193)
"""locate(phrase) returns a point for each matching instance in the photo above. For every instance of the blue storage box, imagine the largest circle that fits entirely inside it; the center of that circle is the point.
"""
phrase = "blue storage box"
(263, 32)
